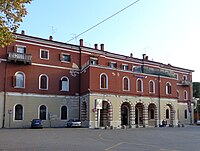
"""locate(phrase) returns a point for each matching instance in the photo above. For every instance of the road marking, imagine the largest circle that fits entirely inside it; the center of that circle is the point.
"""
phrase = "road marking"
(114, 146)
(100, 137)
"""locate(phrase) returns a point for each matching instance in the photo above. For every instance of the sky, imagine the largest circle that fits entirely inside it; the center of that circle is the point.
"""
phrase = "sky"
(168, 31)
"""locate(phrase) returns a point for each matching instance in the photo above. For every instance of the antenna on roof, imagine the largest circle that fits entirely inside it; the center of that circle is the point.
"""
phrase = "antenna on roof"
(53, 30)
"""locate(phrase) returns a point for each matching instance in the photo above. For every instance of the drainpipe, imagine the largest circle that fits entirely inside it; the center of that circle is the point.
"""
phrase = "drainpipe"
(5, 91)
(80, 83)
(191, 94)
(159, 99)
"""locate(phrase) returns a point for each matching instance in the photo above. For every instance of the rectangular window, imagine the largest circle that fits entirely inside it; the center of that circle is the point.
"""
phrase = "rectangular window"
(93, 61)
(184, 77)
(44, 54)
(65, 57)
(21, 49)
(125, 67)
(113, 64)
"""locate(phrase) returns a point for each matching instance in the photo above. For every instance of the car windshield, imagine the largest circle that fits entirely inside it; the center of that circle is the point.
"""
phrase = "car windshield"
(37, 120)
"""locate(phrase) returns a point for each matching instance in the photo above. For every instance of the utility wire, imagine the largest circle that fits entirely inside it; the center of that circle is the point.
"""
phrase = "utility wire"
(104, 20)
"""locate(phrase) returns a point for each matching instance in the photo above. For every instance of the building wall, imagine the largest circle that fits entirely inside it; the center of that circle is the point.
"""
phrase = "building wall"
(31, 104)
(117, 101)
(84, 82)
(1, 108)
(186, 119)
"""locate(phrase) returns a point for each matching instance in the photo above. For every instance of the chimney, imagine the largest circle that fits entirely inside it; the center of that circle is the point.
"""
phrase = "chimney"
(147, 58)
(50, 38)
(23, 32)
(81, 42)
(96, 46)
(144, 56)
(102, 47)
(131, 55)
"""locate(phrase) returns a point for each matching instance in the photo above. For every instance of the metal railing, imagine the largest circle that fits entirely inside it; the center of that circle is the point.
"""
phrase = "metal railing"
(20, 57)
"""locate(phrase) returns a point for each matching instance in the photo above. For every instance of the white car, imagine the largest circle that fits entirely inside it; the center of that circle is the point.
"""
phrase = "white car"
(73, 123)
(198, 122)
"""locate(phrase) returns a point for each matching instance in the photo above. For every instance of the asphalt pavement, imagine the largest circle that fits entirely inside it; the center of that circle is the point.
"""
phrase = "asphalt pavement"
(83, 139)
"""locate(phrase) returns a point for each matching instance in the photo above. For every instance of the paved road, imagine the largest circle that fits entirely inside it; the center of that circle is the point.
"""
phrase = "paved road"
(70, 139)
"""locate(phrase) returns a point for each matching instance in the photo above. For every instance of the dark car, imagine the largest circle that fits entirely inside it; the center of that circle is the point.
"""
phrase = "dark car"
(73, 123)
(36, 123)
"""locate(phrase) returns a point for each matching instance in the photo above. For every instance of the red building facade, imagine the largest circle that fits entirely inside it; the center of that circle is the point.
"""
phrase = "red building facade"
(55, 82)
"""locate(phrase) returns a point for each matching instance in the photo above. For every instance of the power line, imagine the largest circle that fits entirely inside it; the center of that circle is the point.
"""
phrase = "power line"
(104, 20)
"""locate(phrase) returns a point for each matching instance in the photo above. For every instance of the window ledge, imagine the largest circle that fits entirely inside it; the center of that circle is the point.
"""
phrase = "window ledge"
(16, 87)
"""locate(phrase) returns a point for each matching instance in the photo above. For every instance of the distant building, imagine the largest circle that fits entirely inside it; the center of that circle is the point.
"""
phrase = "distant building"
(56, 81)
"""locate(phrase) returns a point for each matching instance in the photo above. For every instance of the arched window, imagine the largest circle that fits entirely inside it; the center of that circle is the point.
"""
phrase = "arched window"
(43, 82)
(178, 95)
(185, 95)
(19, 80)
(126, 84)
(63, 113)
(167, 113)
(139, 85)
(64, 84)
(185, 114)
(151, 86)
(43, 112)
(152, 114)
(168, 88)
(18, 112)
(103, 81)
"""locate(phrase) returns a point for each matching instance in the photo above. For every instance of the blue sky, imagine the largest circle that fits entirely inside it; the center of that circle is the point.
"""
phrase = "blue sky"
(168, 31)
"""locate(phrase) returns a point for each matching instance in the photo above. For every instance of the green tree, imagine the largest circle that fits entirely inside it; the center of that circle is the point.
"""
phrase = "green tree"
(12, 12)
(196, 89)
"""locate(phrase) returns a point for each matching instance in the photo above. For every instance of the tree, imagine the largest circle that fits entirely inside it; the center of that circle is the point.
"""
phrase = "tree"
(12, 12)
(196, 89)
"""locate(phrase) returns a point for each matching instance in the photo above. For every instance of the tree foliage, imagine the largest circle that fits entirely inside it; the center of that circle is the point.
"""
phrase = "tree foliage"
(12, 12)
(196, 89)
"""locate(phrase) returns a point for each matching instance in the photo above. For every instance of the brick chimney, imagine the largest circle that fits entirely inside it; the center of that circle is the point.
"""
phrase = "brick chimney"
(50, 38)
(23, 32)
(102, 47)
(81, 42)
(96, 46)
(144, 56)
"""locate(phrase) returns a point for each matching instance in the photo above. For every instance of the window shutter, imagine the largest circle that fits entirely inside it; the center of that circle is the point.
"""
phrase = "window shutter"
(61, 57)
(60, 85)
(14, 81)
(69, 58)
(25, 50)
(15, 48)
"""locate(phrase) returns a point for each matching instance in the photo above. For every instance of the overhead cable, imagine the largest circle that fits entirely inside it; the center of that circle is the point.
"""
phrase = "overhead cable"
(103, 20)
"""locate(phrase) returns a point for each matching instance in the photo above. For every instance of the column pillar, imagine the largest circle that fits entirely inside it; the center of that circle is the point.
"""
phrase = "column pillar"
(132, 116)
(156, 117)
(96, 119)
(145, 115)
(110, 113)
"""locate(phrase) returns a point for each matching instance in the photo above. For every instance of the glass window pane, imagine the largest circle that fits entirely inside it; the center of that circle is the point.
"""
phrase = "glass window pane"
(43, 112)
(18, 112)
(19, 80)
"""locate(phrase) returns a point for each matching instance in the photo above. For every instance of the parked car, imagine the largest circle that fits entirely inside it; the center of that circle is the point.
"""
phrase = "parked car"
(36, 123)
(198, 122)
(74, 123)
